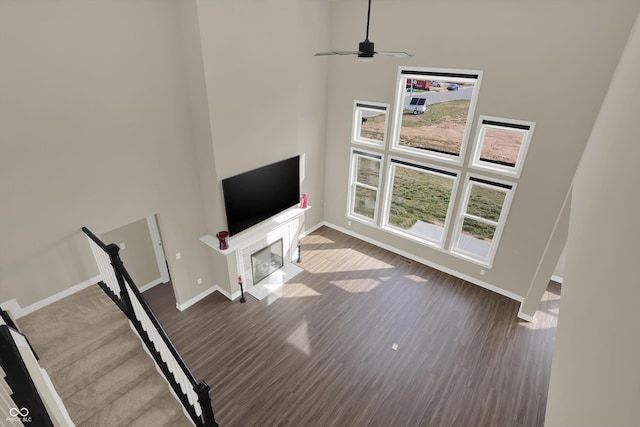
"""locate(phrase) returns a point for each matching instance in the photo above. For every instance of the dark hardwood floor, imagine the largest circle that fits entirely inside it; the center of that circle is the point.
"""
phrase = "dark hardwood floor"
(321, 355)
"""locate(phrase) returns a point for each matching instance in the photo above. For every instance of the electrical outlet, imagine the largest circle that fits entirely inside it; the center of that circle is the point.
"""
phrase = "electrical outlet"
(482, 272)
(122, 245)
(178, 255)
(199, 281)
(394, 347)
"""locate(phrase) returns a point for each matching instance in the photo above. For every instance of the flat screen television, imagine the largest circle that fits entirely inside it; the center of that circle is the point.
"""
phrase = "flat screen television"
(254, 196)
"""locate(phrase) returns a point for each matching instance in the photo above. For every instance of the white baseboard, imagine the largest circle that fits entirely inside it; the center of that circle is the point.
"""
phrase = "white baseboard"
(18, 312)
(312, 229)
(428, 263)
(151, 284)
(526, 317)
(206, 293)
(200, 296)
(557, 279)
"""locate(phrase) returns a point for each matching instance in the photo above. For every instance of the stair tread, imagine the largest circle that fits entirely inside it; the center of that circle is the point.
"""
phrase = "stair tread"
(70, 378)
(98, 365)
(64, 331)
(129, 405)
(110, 386)
(165, 411)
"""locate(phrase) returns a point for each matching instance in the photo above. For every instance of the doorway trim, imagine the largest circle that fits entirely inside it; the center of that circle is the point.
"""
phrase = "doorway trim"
(156, 240)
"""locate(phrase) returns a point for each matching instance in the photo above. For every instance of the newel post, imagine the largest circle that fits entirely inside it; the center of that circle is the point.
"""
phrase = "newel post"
(202, 389)
(114, 254)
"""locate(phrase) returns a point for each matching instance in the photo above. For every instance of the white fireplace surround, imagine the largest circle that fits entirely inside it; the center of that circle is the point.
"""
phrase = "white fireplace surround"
(285, 226)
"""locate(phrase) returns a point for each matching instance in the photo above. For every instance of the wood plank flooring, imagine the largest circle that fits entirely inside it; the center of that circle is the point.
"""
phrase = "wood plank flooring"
(321, 355)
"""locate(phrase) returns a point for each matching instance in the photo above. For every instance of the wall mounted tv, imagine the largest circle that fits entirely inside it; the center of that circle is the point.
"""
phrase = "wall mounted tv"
(256, 195)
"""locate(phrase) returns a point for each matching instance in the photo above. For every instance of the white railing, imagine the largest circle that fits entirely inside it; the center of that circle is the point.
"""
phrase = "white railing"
(7, 406)
(193, 395)
(107, 273)
(186, 384)
(48, 394)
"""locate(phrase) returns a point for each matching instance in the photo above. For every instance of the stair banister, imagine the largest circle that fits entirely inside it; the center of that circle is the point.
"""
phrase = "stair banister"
(194, 396)
(36, 401)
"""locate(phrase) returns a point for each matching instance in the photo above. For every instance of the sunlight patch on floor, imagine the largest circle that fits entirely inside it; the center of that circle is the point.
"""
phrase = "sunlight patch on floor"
(296, 290)
(416, 279)
(299, 338)
(353, 261)
(356, 285)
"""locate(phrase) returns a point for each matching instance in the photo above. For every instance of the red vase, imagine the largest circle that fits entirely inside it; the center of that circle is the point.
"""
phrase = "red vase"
(223, 239)
(303, 201)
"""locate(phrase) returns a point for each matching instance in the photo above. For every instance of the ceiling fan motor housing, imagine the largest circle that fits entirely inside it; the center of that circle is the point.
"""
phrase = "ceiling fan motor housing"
(366, 49)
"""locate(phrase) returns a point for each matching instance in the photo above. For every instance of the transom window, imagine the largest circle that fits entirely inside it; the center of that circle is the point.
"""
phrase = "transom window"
(501, 145)
(370, 122)
(434, 111)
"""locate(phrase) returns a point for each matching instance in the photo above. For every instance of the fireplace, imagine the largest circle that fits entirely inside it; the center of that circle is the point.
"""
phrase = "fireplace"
(266, 261)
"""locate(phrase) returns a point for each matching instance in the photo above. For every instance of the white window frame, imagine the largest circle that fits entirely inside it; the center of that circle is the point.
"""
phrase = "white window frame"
(526, 128)
(423, 73)
(482, 181)
(390, 168)
(361, 108)
(356, 153)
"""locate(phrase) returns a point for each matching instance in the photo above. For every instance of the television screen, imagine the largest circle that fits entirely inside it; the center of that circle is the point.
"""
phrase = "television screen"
(256, 195)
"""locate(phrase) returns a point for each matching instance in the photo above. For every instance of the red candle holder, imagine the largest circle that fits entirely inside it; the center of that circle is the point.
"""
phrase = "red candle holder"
(223, 239)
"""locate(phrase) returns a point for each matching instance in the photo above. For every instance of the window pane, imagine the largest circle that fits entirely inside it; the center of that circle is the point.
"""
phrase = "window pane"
(368, 171)
(501, 146)
(419, 202)
(365, 203)
(476, 237)
(372, 125)
(435, 119)
(486, 202)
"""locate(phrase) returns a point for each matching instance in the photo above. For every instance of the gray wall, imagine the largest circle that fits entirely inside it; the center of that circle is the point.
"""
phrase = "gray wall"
(95, 131)
(595, 377)
(137, 255)
(548, 62)
(111, 111)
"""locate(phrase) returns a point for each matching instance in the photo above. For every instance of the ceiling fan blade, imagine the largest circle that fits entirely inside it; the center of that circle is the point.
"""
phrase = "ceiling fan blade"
(396, 54)
(338, 52)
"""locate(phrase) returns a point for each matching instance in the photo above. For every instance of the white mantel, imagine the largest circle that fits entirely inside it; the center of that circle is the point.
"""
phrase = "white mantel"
(286, 226)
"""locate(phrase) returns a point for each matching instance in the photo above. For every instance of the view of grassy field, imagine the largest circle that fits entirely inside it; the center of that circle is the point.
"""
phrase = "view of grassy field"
(422, 196)
(368, 173)
(501, 146)
(485, 203)
(441, 128)
(419, 196)
(373, 127)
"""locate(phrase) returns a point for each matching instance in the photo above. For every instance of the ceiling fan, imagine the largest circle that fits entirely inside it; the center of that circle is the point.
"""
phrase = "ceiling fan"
(366, 50)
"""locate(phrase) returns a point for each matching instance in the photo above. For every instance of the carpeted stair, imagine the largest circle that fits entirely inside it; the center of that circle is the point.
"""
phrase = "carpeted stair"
(98, 366)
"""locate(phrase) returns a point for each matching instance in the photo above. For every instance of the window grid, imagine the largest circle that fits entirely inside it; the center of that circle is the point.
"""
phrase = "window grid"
(366, 171)
(382, 195)
(478, 243)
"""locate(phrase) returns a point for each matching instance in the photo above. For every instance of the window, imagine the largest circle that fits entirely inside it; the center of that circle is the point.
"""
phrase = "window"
(370, 123)
(365, 181)
(434, 111)
(412, 185)
(419, 201)
(501, 145)
(483, 214)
